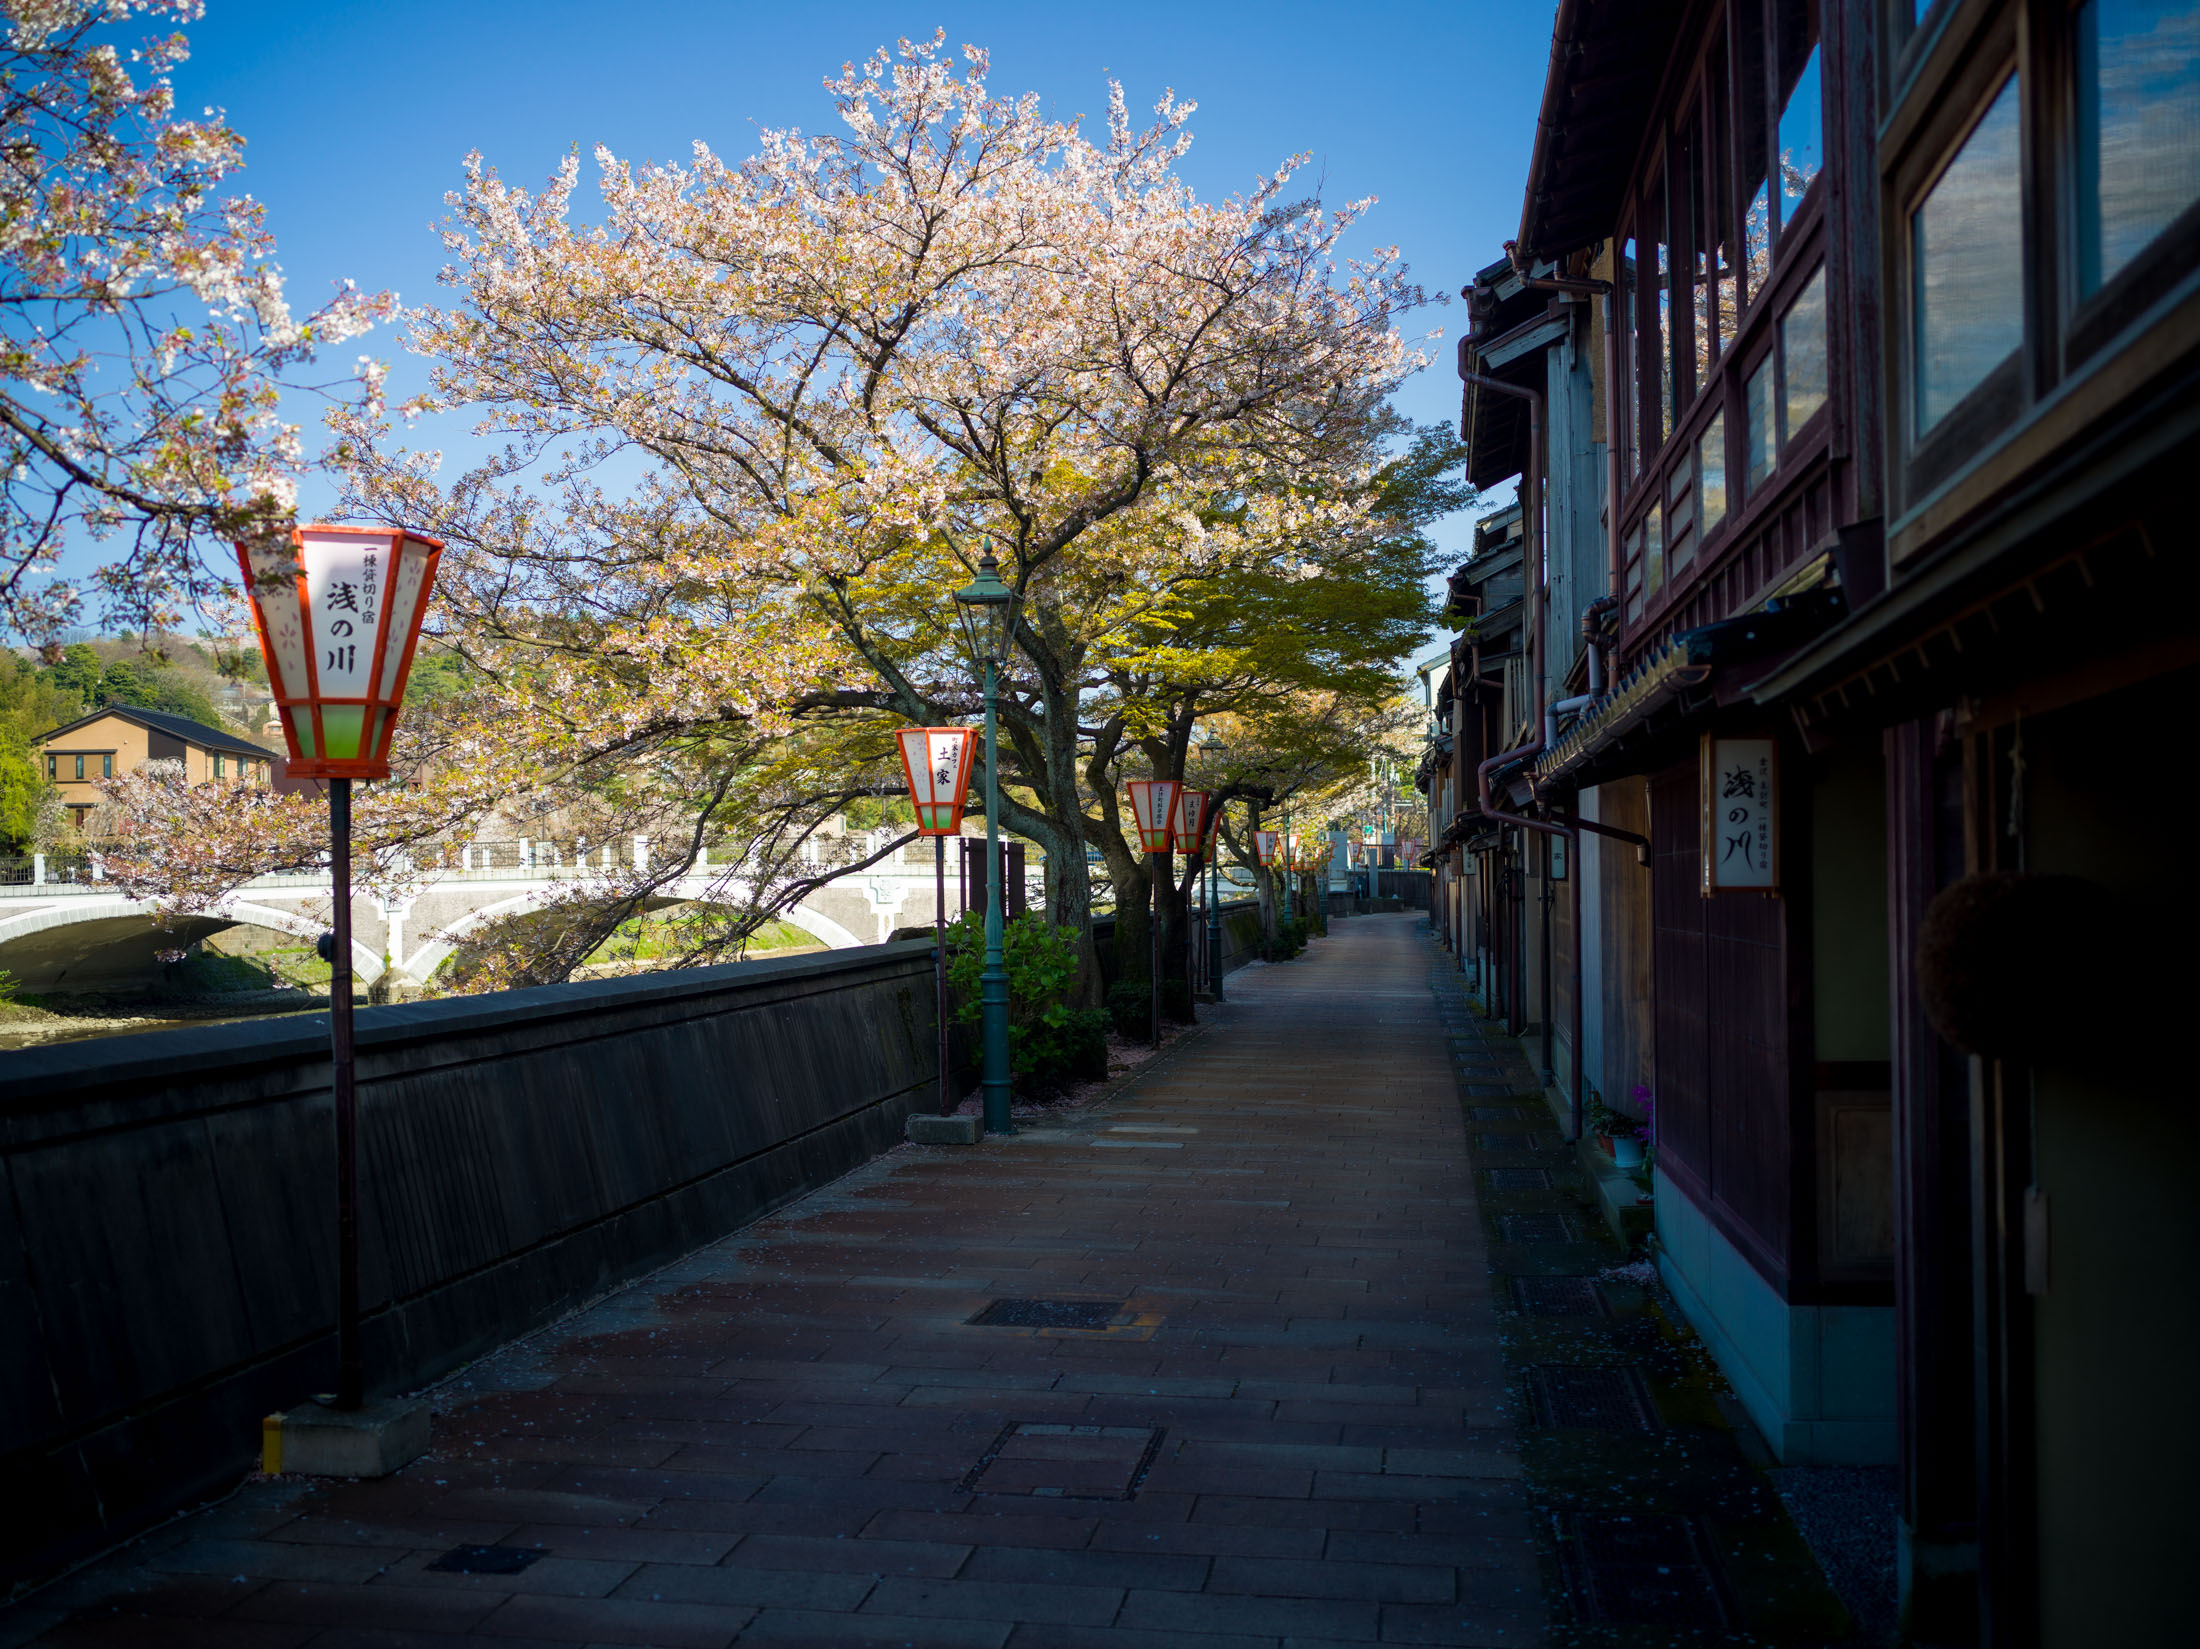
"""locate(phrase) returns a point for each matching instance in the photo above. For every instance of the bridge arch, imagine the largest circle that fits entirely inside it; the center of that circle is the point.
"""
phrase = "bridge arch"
(436, 950)
(95, 940)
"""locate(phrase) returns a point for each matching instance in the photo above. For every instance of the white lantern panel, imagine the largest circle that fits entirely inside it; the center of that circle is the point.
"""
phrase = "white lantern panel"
(347, 584)
(408, 591)
(275, 591)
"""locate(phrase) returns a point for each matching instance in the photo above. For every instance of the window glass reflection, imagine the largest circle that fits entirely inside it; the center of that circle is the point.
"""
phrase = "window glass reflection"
(1802, 144)
(1711, 473)
(1623, 309)
(1764, 437)
(1803, 354)
(1666, 380)
(1752, 146)
(1653, 552)
(1967, 265)
(2138, 127)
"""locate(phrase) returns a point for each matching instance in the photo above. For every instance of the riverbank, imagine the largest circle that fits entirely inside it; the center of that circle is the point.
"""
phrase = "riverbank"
(78, 1018)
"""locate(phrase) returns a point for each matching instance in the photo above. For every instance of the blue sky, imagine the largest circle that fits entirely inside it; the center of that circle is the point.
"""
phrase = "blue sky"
(357, 115)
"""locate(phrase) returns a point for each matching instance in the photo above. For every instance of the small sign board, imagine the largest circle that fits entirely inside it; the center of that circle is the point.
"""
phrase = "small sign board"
(1740, 831)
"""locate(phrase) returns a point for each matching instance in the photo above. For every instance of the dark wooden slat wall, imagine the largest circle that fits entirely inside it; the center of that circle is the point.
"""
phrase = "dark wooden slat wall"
(1721, 1038)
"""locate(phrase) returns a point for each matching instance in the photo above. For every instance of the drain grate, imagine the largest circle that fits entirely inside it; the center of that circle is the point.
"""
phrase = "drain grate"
(1535, 1228)
(486, 1560)
(1558, 1296)
(1590, 1399)
(1504, 1142)
(1644, 1570)
(1048, 1314)
(1497, 1113)
(1057, 1462)
(1519, 1179)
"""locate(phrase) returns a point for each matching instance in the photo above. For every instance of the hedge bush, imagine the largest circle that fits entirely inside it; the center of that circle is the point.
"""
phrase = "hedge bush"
(1051, 1042)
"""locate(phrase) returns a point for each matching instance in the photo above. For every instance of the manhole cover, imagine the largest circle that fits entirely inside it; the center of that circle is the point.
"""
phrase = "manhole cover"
(1590, 1399)
(1644, 1570)
(1067, 1462)
(1519, 1179)
(1535, 1228)
(1048, 1314)
(486, 1560)
(1557, 1296)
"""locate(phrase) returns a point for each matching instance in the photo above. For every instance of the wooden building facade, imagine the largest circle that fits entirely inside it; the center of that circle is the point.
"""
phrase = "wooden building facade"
(1896, 319)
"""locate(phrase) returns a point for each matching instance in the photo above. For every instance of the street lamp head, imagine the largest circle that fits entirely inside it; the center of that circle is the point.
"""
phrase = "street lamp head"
(984, 605)
(338, 610)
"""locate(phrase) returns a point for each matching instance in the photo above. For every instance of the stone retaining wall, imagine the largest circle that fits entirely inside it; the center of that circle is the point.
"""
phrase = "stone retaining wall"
(167, 1243)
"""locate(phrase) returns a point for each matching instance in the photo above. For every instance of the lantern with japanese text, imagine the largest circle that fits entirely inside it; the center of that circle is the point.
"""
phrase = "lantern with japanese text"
(1194, 817)
(338, 610)
(937, 761)
(1153, 806)
(1268, 848)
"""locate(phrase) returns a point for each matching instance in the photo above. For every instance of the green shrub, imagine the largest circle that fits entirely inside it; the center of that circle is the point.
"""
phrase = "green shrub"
(1051, 1041)
(1130, 1007)
(1289, 940)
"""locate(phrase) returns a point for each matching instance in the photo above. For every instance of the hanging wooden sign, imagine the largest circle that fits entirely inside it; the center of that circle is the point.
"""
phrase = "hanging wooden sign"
(1740, 830)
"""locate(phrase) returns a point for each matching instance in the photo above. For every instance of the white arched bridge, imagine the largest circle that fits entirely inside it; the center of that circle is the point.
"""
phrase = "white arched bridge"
(80, 933)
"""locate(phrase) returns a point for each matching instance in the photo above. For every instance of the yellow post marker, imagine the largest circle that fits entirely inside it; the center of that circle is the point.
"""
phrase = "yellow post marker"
(271, 1445)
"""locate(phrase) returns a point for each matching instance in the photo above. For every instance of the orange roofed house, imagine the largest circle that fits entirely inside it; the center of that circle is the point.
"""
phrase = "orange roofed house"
(115, 740)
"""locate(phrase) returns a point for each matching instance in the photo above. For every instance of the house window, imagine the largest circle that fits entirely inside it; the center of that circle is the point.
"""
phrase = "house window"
(1762, 427)
(1967, 265)
(1803, 356)
(220, 769)
(107, 766)
(1716, 250)
(1752, 145)
(1623, 333)
(1653, 552)
(1680, 521)
(80, 767)
(1801, 130)
(2138, 128)
(53, 767)
(1711, 474)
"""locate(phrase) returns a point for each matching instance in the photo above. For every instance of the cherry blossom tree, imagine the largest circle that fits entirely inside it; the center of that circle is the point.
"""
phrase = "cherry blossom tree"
(144, 336)
(851, 366)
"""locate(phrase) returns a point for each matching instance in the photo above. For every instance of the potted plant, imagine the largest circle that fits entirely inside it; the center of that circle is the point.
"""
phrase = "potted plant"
(1622, 1134)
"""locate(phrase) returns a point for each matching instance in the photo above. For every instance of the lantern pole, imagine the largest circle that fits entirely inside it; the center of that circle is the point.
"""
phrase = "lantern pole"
(1214, 904)
(993, 984)
(1191, 942)
(939, 960)
(1160, 863)
(351, 1368)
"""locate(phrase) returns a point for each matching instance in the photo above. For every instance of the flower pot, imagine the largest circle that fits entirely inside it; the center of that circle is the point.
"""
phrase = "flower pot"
(1627, 1153)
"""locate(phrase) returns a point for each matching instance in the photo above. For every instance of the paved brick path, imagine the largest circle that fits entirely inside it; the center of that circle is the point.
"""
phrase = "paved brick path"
(1293, 1431)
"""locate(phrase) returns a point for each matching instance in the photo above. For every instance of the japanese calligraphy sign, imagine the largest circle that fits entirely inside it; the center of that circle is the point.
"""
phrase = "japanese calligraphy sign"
(1740, 835)
(339, 610)
(1194, 811)
(937, 762)
(1153, 805)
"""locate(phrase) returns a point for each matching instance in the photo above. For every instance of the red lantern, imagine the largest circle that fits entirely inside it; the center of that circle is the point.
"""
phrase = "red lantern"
(1267, 847)
(937, 763)
(1189, 828)
(338, 611)
(1153, 805)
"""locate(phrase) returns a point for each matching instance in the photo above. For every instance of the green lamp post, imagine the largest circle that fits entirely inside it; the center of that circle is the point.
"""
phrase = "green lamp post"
(988, 620)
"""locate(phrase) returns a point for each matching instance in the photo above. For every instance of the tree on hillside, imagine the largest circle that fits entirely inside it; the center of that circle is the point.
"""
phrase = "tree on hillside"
(144, 336)
(856, 364)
